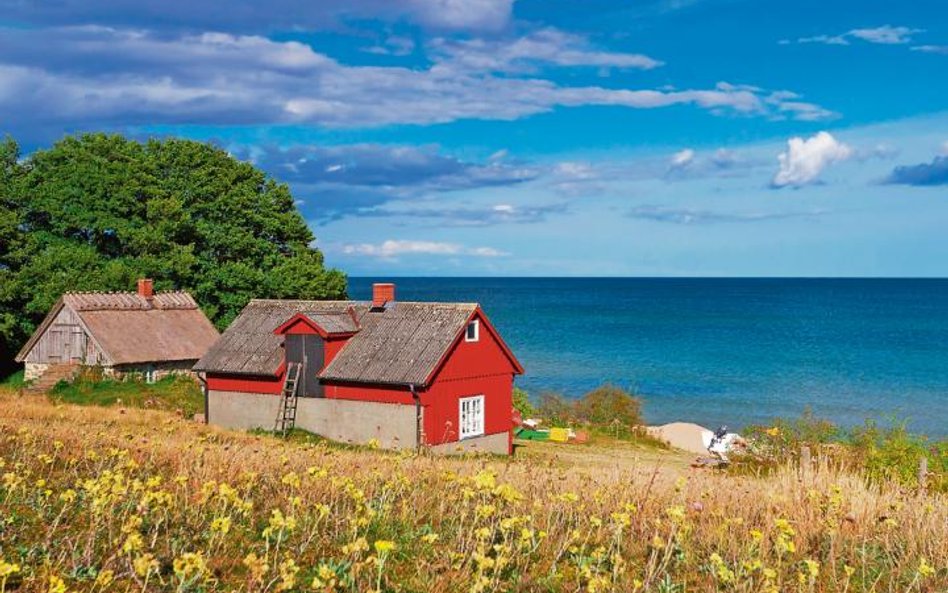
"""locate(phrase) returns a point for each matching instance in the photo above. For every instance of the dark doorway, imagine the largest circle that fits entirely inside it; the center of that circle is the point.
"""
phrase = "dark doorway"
(307, 350)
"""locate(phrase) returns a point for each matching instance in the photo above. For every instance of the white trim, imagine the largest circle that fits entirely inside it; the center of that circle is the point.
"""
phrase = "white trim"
(470, 417)
(476, 324)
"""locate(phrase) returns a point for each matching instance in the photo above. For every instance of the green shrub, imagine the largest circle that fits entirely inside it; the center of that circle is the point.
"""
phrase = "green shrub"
(882, 454)
(521, 403)
(606, 410)
(14, 380)
(609, 405)
(895, 454)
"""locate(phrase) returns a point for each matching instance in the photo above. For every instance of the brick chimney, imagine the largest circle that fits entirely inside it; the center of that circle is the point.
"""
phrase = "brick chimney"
(382, 292)
(146, 288)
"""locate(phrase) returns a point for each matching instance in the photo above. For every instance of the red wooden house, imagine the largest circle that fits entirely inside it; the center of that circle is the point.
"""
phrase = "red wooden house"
(406, 374)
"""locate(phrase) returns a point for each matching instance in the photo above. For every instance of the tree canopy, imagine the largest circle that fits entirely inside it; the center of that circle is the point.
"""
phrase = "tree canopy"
(97, 212)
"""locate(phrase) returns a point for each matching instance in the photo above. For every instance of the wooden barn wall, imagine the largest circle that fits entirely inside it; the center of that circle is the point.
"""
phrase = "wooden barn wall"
(65, 340)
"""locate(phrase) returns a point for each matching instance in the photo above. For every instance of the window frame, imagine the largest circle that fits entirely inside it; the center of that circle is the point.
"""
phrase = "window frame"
(468, 426)
(476, 324)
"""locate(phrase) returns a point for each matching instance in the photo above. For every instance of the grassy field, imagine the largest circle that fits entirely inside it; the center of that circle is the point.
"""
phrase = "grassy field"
(113, 499)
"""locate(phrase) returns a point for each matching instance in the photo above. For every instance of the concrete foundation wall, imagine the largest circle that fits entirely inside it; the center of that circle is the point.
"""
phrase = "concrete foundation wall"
(346, 421)
(489, 443)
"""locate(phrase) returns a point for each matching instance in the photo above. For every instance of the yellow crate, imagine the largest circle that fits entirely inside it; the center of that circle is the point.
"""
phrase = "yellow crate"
(559, 435)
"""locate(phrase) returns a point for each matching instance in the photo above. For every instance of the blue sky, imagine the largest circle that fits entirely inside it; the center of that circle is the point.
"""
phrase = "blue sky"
(502, 137)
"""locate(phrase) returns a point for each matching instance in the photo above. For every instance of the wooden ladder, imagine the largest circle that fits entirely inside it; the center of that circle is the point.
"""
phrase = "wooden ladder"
(286, 415)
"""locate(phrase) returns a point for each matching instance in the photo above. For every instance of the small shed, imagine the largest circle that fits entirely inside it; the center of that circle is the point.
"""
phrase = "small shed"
(142, 332)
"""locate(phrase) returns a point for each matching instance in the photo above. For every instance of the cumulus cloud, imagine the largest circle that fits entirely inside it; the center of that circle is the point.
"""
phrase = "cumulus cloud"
(694, 216)
(885, 35)
(805, 159)
(249, 15)
(924, 174)
(100, 76)
(393, 248)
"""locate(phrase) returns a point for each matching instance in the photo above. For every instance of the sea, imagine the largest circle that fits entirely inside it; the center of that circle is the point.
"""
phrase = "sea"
(730, 351)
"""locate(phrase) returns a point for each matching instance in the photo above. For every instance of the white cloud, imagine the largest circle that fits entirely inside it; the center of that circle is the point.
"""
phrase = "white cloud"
(825, 39)
(485, 15)
(244, 15)
(805, 159)
(90, 76)
(682, 158)
(885, 35)
(397, 247)
(932, 49)
(550, 46)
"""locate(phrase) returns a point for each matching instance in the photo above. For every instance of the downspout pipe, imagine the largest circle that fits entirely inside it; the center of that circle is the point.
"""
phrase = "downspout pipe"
(417, 399)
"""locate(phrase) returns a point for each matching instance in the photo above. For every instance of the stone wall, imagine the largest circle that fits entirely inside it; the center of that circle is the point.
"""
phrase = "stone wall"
(346, 421)
(162, 369)
(33, 370)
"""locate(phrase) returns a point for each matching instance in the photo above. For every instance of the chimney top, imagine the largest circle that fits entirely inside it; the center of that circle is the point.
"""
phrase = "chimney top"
(382, 293)
(146, 288)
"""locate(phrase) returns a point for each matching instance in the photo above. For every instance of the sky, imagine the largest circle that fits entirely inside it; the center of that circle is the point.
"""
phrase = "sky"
(533, 137)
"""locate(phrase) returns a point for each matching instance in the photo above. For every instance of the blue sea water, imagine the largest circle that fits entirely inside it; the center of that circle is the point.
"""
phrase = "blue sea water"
(724, 351)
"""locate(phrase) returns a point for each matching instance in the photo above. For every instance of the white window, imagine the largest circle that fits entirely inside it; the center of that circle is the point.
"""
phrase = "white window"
(150, 374)
(473, 331)
(471, 416)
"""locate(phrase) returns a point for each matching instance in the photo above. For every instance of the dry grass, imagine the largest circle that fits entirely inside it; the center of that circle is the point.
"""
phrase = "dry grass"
(94, 499)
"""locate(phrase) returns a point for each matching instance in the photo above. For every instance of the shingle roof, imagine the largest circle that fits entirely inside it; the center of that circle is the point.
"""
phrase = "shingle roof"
(99, 301)
(400, 345)
(132, 329)
(249, 346)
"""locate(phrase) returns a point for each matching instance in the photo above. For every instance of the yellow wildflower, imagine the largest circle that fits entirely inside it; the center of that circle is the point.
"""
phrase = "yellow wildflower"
(190, 566)
(144, 565)
(384, 546)
(430, 538)
(56, 585)
(104, 578)
(257, 566)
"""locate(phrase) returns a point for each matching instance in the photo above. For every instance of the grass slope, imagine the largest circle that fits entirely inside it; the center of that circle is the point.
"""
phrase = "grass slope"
(170, 393)
(103, 499)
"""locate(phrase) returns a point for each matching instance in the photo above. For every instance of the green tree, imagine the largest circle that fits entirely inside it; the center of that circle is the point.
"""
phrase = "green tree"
(96, 212)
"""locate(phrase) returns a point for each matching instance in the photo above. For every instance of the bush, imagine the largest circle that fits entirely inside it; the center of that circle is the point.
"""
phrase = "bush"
(881, 454)
(894, 454)
(605, 410)
(521, 403)
(555, 409)
(609, 405)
